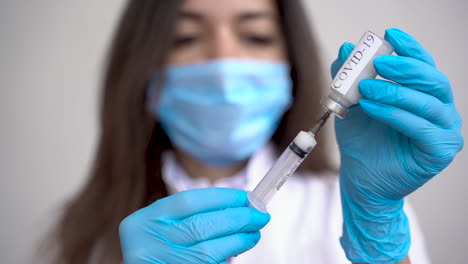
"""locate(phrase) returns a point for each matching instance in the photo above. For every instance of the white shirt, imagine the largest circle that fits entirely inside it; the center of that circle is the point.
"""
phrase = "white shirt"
(306, 219)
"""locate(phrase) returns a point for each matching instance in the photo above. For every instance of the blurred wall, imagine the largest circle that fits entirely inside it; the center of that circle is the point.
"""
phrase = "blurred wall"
(50, 67)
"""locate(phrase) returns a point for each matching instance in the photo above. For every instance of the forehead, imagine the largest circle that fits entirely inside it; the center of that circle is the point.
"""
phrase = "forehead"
(224, 9)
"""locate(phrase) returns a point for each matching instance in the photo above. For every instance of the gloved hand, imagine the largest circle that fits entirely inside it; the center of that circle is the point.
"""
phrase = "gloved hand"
(197, 226)
(399, 136)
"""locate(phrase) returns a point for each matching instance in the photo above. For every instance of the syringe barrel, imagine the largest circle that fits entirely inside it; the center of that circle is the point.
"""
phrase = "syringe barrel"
(358, 66)
(286, 165)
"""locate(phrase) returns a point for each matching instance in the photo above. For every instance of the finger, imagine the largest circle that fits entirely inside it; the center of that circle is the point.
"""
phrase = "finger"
(187, 203)
(229, 246)
(416, 102)
(415, 75)
(409, 124)
(211, 225)
(343, 54)
(406, 45)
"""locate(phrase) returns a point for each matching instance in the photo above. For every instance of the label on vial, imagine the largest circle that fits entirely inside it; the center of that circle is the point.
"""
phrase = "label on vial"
(360, 57)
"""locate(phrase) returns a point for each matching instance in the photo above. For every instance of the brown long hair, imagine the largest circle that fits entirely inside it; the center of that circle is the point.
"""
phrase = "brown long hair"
(126, 175)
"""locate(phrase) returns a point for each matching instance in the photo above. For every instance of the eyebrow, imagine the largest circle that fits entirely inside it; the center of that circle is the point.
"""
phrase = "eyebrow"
(250, 15)
(247, 15)
(191, 15)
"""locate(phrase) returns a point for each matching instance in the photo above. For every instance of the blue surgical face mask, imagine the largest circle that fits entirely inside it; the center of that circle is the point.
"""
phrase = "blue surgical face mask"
(222, 111)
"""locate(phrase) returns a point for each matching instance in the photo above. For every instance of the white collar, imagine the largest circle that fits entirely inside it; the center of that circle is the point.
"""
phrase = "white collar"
(177, 180)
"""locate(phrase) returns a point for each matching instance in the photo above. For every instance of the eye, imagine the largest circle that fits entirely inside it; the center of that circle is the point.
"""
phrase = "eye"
(259, 39)
(182, 41)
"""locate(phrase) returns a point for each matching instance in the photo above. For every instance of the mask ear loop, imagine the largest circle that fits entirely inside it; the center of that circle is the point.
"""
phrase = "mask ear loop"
(153, 94)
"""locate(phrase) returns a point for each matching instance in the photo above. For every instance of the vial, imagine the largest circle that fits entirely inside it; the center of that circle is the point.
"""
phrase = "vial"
(358, 66)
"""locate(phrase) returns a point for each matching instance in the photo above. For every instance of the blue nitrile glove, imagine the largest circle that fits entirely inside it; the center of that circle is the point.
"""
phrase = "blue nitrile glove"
(197, 226)
(399, 136)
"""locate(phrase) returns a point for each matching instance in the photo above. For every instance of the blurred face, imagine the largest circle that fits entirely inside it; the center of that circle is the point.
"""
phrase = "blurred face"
(218, 29)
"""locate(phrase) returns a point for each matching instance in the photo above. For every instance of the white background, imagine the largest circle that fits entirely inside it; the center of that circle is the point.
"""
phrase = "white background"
(51, 55)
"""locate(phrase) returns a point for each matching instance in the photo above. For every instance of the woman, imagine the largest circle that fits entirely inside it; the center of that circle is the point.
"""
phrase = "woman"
(194, 92)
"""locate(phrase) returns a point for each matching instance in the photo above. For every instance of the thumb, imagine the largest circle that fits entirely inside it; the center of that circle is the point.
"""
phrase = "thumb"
(343, 54)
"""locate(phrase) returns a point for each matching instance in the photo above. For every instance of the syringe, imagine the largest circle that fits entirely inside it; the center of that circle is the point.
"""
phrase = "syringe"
(344, 93)
(285, 166)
